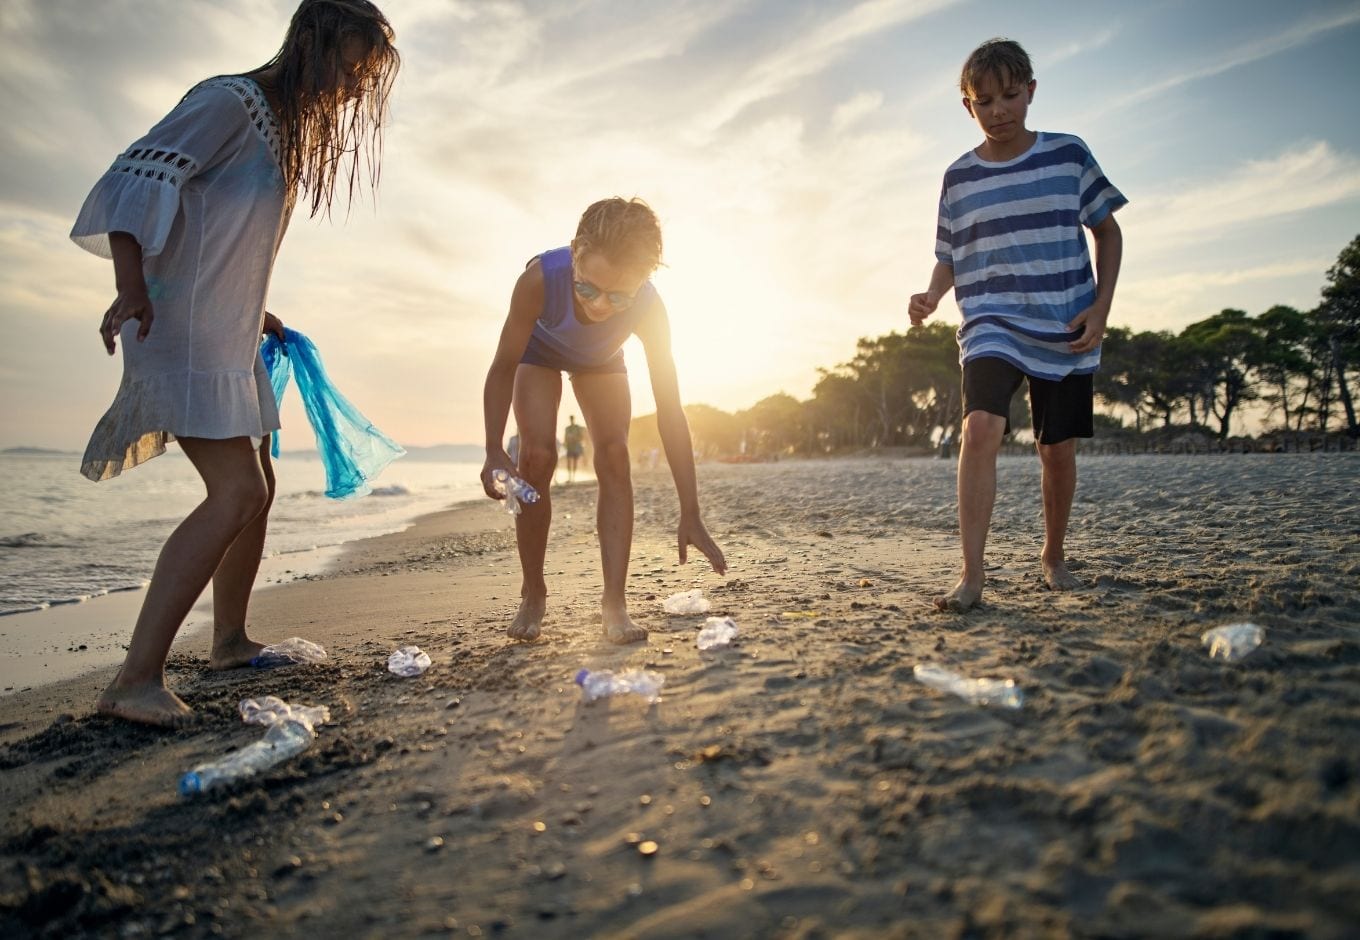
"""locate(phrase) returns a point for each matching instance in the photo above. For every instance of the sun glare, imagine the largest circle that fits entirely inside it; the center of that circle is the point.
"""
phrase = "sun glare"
(725, 312)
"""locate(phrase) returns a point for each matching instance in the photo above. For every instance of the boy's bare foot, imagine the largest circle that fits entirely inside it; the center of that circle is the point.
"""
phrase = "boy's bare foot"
(528, 622)
(618, 628)
(1058, 578)
(234, 653)
(965, 595)
(150, 704)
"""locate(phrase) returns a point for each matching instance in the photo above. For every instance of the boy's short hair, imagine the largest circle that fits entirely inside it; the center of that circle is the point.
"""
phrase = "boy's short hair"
(1002, 59)
(625, 231)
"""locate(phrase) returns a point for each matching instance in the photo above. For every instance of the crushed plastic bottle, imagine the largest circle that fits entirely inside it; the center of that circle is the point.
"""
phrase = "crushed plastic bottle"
(292, 728)
(271, 710)
(1003, 692)
(292, 651)
(1233, 641)
(717, 631)
(408, 661)
(603, 683)
(687, 602)
(516, 491)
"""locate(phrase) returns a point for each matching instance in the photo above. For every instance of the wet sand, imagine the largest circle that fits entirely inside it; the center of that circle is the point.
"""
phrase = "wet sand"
(797, 784)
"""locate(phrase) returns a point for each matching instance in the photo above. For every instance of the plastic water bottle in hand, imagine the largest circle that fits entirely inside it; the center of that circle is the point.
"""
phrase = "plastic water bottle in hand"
(289, 652)
(1234, 641)
(687, 602)
(291, 731)
(1001, 692)
(717, 631)
(516, 491)
(604, 683)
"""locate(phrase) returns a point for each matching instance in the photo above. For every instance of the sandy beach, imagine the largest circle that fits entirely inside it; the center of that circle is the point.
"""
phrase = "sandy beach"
(799, 783)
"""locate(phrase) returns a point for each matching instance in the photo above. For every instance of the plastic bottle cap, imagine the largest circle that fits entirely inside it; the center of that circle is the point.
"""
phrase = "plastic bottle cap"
(581, 676)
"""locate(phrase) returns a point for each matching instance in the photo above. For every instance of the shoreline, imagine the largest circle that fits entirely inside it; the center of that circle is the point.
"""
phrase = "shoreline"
(799, 783)
(66, 639)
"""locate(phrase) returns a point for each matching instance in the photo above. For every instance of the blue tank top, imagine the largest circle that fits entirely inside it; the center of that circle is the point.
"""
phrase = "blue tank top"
(584, 342)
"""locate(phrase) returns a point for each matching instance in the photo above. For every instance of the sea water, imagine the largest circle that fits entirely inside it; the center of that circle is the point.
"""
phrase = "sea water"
(64, 539)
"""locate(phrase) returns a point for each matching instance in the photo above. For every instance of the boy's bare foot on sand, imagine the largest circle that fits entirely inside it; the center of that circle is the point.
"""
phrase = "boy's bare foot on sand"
(1058, 578)
(234, 654)
(618, 628)
(528, 622)
(965, 595)
(150, 704)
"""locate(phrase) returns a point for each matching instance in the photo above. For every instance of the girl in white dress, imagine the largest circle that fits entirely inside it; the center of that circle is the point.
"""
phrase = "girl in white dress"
(192, 216)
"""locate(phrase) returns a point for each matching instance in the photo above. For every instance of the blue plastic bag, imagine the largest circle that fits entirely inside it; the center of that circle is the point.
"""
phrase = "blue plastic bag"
(352, 449)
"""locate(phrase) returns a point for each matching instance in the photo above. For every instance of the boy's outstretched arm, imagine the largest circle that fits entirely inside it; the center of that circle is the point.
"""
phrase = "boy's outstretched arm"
(1109, 253)
(675, 439)
(525, 304)
(923, 305)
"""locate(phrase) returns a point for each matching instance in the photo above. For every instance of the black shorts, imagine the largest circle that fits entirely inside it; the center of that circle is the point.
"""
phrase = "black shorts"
(1061, 410)
(538, 353)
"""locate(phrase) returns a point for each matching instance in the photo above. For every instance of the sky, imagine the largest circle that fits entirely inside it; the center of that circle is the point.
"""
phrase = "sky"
(792, 149)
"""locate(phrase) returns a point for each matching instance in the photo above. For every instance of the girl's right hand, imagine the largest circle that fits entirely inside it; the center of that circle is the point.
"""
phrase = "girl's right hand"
(493, 463)
(128, 305)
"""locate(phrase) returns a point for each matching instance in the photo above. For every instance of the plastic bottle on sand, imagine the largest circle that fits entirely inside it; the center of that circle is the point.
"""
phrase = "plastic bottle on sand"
(1001, 692)
(407, 662)
(717, 631)
(603, 682)
(291, 731)
(1233, 641)
(282, 741)
(290, 652)
(686, 602)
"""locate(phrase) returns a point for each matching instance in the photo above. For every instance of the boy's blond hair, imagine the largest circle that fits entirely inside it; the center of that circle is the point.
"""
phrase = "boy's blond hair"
(1002, 59)
(625, 231)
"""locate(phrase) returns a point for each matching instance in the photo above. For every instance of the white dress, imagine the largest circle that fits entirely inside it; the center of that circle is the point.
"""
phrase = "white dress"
(203, 194)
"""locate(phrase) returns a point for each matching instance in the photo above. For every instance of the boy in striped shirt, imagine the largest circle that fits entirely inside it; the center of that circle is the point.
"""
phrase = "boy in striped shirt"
(1010, 243)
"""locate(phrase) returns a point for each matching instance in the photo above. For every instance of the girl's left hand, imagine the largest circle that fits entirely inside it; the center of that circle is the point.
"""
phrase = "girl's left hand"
(692, 532)
(272, 324)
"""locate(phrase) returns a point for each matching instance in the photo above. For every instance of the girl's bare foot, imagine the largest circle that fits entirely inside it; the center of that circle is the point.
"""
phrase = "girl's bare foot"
(1058, 578)
(964, 596)
(149, 704)
(234, 653)
(618, 628)
(528, 622)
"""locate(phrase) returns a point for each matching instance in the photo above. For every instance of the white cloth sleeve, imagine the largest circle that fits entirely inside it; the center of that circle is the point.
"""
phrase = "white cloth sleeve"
(139, 193)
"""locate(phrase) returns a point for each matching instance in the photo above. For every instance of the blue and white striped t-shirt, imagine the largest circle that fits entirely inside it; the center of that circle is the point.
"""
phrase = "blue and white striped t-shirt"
(1013, 233)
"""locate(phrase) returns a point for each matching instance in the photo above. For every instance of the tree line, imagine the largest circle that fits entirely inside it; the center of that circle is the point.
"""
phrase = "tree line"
(902, 389)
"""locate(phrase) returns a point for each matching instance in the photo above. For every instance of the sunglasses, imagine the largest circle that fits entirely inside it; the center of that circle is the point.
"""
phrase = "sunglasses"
(617, 298)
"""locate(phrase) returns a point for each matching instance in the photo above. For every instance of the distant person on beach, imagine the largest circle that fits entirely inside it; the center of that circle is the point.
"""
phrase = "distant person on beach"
(574, 439)
(1011, 245)
(192, 215)
(571, 311)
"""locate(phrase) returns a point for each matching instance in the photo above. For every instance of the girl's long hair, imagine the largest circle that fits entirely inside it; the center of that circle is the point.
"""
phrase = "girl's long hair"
(327, 134)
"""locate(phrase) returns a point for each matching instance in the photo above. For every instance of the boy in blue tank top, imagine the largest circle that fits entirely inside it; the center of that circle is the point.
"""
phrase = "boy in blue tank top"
(1010, 242)
(571, 311)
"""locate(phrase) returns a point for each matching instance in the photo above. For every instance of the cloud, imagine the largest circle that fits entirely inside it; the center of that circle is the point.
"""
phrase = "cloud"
(1078, 47)
(1311, 176)
(812, 52)
(1257, 49)
(848, 113)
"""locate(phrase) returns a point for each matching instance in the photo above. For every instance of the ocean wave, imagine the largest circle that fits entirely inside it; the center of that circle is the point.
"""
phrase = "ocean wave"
(301, 494)
(392, 489)
(6, 609)
(31, 540)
